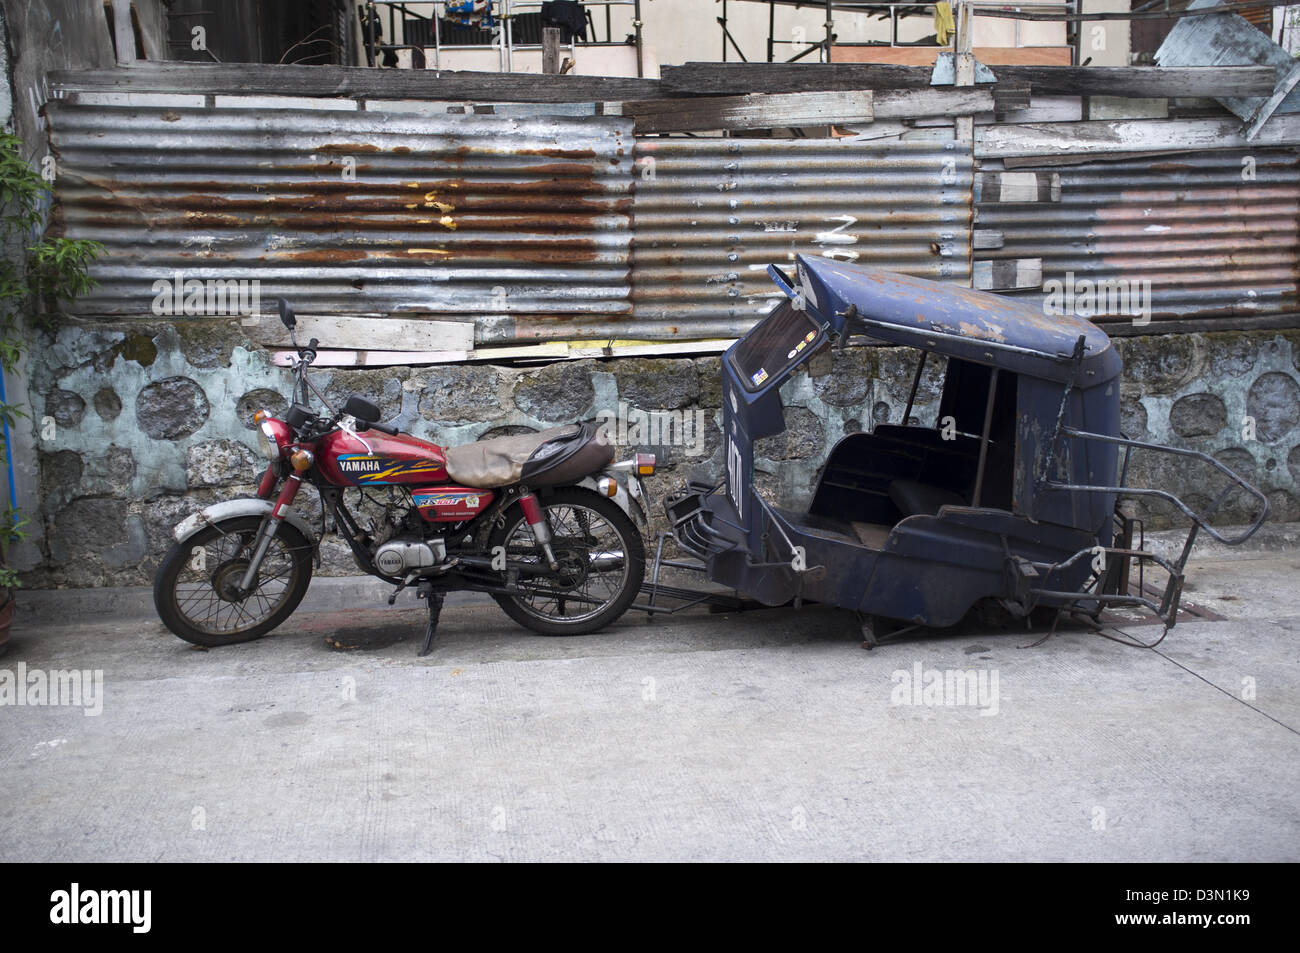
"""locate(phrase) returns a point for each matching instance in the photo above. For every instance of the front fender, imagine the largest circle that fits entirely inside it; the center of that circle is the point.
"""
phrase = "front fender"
(231, 509)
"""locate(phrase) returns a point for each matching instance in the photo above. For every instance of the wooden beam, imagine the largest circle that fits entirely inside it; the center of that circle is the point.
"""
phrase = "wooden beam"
(355, 82)
(949, 101)
(1121, 136)
(550, 49)
(1142, 81)
(758, 111)
(369, 334)
(735, 79)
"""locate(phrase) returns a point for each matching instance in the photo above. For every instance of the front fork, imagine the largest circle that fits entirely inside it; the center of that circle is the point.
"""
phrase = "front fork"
(271, 524)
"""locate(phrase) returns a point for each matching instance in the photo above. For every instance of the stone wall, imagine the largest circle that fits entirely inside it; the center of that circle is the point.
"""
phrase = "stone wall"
(138, 425)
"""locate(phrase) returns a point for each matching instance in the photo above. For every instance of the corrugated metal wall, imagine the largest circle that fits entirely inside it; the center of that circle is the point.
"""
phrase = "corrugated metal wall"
(473, 217)
(712, 213)
(543, 228)
(1214, 232)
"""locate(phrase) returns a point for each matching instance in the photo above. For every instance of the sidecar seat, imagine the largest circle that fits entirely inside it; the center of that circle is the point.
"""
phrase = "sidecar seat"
(914, 498)
(549, 457)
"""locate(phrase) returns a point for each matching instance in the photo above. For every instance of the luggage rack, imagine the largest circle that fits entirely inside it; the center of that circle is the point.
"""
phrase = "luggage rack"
(1111, 578)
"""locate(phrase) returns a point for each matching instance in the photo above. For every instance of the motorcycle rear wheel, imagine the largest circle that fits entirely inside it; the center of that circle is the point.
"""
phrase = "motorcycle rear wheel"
(192, 588)
(591, 597)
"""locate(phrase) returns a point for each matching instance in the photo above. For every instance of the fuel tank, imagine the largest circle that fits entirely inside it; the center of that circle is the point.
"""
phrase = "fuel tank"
(376, 459)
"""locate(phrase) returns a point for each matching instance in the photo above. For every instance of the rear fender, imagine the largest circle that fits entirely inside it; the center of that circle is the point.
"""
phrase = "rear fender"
(232, 509)
(630, 496)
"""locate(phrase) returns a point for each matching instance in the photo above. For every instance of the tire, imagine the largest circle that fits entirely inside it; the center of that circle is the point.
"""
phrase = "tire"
(187, 584)
(607, 526)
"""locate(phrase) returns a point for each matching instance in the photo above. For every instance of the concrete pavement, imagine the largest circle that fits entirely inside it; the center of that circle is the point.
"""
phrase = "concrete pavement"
(766, 735)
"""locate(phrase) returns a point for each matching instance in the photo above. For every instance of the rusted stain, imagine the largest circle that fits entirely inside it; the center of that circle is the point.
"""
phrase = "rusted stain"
(323, 256)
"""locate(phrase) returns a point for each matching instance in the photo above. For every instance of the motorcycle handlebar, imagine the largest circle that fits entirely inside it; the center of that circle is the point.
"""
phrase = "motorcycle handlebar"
(384, 428)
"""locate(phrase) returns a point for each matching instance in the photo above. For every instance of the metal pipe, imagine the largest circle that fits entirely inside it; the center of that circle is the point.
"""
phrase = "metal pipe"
(830, 21)
(636, 22)
(771, 29)
(984, 438)
(916, 383)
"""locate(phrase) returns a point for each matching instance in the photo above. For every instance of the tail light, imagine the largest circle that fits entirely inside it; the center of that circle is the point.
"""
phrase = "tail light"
(642, 464)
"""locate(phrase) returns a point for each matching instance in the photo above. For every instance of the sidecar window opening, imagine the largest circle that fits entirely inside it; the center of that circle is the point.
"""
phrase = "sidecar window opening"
(965, 457)
(776, 344)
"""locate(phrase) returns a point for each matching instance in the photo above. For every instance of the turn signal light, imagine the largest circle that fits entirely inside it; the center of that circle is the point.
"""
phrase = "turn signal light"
(645, 464)
(302, 460)
(607, 486)
(260, 416)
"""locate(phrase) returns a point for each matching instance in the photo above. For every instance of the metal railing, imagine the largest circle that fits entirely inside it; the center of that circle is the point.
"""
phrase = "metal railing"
(429, 28)
(892, 10)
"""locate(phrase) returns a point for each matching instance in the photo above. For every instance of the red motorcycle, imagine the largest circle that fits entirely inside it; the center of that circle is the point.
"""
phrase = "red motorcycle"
(545, 522)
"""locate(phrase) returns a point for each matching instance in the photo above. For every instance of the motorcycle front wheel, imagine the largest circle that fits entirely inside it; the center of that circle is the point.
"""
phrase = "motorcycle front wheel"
(194, 590)
(601, 557)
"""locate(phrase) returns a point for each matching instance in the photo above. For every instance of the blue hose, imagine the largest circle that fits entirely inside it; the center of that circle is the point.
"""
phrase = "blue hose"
(9, 454)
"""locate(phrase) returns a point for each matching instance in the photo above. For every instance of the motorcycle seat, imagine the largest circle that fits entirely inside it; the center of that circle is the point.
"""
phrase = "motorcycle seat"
(555, 455)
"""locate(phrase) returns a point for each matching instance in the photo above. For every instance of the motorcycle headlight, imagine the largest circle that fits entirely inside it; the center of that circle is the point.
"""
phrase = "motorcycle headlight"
(266, 442)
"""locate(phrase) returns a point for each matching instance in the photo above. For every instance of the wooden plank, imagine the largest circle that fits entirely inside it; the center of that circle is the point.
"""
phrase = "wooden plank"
(550, 49)
(1122, 136)
(757, 111)
(356, 82)
(1141, 81)
(336, 358)
(1009, 96)
(366, 334)
(648, 348)
(735, 79)
(944, 101)
(548, 350)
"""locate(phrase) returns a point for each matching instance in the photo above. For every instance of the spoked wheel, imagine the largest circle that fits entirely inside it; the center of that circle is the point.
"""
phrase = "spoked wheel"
(601, 559)
(197, 590)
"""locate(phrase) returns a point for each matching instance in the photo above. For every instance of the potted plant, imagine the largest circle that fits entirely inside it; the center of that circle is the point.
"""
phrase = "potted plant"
(36, 273)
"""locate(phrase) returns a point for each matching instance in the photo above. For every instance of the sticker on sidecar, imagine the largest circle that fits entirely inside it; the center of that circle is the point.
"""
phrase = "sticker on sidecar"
(365, 468)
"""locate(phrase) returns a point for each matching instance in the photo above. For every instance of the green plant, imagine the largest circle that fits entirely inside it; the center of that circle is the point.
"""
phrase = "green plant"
(36, 273)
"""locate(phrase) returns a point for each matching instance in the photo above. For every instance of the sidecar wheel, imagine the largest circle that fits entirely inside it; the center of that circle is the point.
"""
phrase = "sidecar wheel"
(192, 590)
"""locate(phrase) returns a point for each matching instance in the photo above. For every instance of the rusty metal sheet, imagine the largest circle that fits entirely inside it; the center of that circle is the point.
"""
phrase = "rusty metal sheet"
(712, 213)
(1214, 233)
(478, 218)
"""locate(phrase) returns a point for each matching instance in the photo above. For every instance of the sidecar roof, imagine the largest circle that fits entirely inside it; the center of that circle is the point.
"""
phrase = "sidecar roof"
(957, 321)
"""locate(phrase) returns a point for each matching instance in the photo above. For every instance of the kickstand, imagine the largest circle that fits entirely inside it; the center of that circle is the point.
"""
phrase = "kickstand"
(434, 599)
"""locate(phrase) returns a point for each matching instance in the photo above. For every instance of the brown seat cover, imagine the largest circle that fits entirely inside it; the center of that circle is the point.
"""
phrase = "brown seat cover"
(498, 462)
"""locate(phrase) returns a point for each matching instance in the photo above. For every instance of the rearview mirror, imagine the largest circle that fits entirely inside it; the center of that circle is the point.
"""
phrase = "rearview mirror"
(286, 315)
